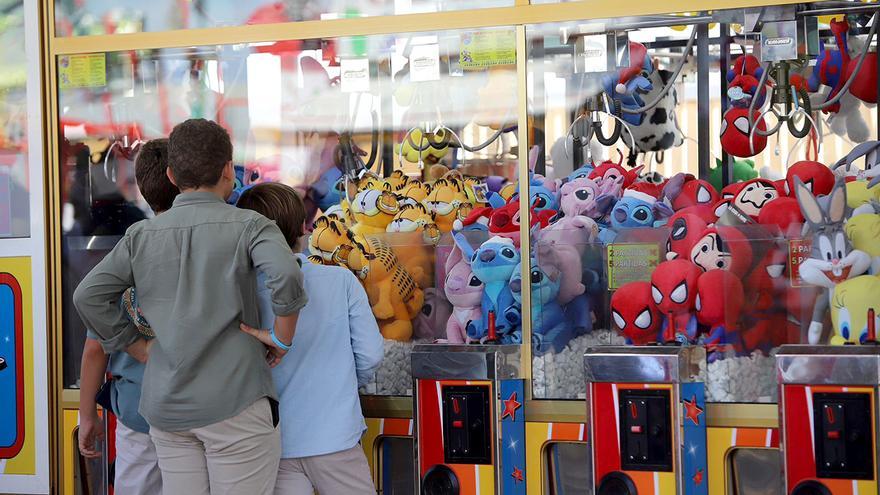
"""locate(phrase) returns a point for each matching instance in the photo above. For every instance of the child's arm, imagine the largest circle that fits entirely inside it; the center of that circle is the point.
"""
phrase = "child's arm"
(97, 299)
(272, 256)
(91, 429)
(366, 341)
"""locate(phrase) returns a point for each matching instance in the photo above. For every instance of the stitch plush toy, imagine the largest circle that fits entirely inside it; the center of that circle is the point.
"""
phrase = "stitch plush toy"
(465, 291)
(720, 300)
(373, 207)
(493, 263)
(505, 221)
(435, 314)
(585, 197)
(550, 330)
(612, 171)
(833, 258)
(629, 84)
(674, 291)
(635, 210)
(853, 302)
(448, 201)
(634, 314)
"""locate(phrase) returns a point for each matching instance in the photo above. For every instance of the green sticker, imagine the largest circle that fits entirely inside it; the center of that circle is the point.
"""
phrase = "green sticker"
(631, 263)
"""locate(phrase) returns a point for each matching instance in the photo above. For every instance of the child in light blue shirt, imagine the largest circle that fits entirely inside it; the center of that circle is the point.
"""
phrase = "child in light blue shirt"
(337, 347)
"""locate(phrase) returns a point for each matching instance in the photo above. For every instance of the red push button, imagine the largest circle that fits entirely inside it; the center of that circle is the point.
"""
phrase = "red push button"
(636, 429)
(457, 424)
(834, 435)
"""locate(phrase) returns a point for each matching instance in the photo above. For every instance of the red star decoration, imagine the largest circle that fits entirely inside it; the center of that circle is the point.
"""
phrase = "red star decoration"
(693, 411)
(510, 407)
(698, 478)
(517, 473)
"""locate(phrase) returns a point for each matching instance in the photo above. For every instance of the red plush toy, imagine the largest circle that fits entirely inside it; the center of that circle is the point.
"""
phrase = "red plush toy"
(696, 193)
(687, 227)
(674, 290)
(818, 178)
(722, 248)
(720, 298)
(785, 213)
(753, 195)
(735, 132)
(864, 86)
(634, 313)
(611, 170)
(650, 188)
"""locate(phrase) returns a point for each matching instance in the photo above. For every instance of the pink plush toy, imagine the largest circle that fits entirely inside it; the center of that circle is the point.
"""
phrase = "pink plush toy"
(561, 245)
(465, 292)
(586, 197)
(436, 309)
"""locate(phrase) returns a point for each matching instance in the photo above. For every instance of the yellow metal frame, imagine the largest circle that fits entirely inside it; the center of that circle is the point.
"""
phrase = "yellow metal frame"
(520, 15)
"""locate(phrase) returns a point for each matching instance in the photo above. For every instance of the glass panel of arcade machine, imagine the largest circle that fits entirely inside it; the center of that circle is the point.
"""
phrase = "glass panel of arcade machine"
(14, 187)
(620, 225)
(96, 17)
(389, 138)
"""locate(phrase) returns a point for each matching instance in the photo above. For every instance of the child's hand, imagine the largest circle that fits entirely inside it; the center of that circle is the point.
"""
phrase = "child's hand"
(91, 430)
(140, 350)
(273, 352)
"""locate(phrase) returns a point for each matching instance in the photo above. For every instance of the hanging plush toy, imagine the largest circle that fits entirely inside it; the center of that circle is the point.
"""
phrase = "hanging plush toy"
(719, 302)
(629, 84)
(868, 154)
(853, 304)
(742, 82)
(833, 258)
(831, 65)
(735, 131)
(634, 314)
(493, 264)
(465, 292)
(550, 330)
(674, 291)
(864, 85)
(421, 147)
(659, 130)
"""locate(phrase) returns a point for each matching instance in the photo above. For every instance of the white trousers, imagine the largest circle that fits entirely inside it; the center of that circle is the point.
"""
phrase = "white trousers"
(137, 467)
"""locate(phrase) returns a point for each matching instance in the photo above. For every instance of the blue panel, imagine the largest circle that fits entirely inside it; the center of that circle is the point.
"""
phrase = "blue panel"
(693, 407)
(513, 438)
(8, 380)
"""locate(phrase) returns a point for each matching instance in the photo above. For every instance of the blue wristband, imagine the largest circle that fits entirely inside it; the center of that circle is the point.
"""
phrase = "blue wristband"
(281, 345)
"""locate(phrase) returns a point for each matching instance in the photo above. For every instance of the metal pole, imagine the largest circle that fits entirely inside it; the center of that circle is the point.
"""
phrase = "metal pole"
(540, 97)
(703, 127)
(724, 63)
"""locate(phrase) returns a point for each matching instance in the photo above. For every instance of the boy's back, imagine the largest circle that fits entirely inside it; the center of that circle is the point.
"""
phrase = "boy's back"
(193, 268)
(337, 345)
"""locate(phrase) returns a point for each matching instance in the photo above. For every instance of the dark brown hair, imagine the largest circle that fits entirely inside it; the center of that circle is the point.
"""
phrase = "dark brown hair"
(149, 170)
(198, 149)
(278, 202)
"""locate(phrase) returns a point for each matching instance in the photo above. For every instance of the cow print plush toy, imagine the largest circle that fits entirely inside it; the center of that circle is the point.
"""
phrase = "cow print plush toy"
(659, 131)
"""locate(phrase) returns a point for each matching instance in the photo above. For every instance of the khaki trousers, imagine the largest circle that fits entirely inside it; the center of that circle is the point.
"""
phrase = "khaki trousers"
(137, 468)
(235, 456)
(340, 473)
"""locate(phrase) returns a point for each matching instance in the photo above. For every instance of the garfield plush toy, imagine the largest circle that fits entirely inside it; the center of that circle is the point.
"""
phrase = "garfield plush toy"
(417, 232)
(394, 296)
(412, 193)
(373, 206)
(396, 180)
(448, 202)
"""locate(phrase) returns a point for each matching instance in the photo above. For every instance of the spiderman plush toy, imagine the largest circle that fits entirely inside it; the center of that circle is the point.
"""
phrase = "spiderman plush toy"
(674, 292)
(635, 315)
(720, 299)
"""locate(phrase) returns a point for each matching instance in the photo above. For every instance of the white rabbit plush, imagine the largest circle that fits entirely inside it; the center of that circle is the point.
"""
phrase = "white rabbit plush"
(833, 258)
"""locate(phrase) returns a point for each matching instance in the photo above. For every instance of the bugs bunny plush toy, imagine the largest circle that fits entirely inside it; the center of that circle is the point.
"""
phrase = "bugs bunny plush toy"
(833, 258)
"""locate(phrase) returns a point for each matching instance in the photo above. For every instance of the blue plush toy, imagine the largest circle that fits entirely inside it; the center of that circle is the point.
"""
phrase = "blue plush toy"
(635, 210)
(629, 84)
(581, 173)
(550, 330)
(493, 263)
(541, 197)
(243, 181)
(326, 191)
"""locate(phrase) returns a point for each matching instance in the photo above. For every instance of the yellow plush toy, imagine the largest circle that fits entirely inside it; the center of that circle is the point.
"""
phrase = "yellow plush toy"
(864, 233)
(395, 297)
(396, 180)
(373, 206)
(448, 202)
(858, 194)
(413, 192)
(851, 303)
(433, 146)
(416, 234)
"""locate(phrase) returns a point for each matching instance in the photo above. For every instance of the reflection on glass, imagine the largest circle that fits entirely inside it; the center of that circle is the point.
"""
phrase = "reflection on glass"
(14, 185)
(393, 141)
(94, 17)
(396, 466)
(565, 463)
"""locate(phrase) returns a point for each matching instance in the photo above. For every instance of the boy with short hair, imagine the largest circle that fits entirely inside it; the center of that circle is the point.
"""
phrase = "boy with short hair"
(136, 467)
(207, 392)
(337, 347)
